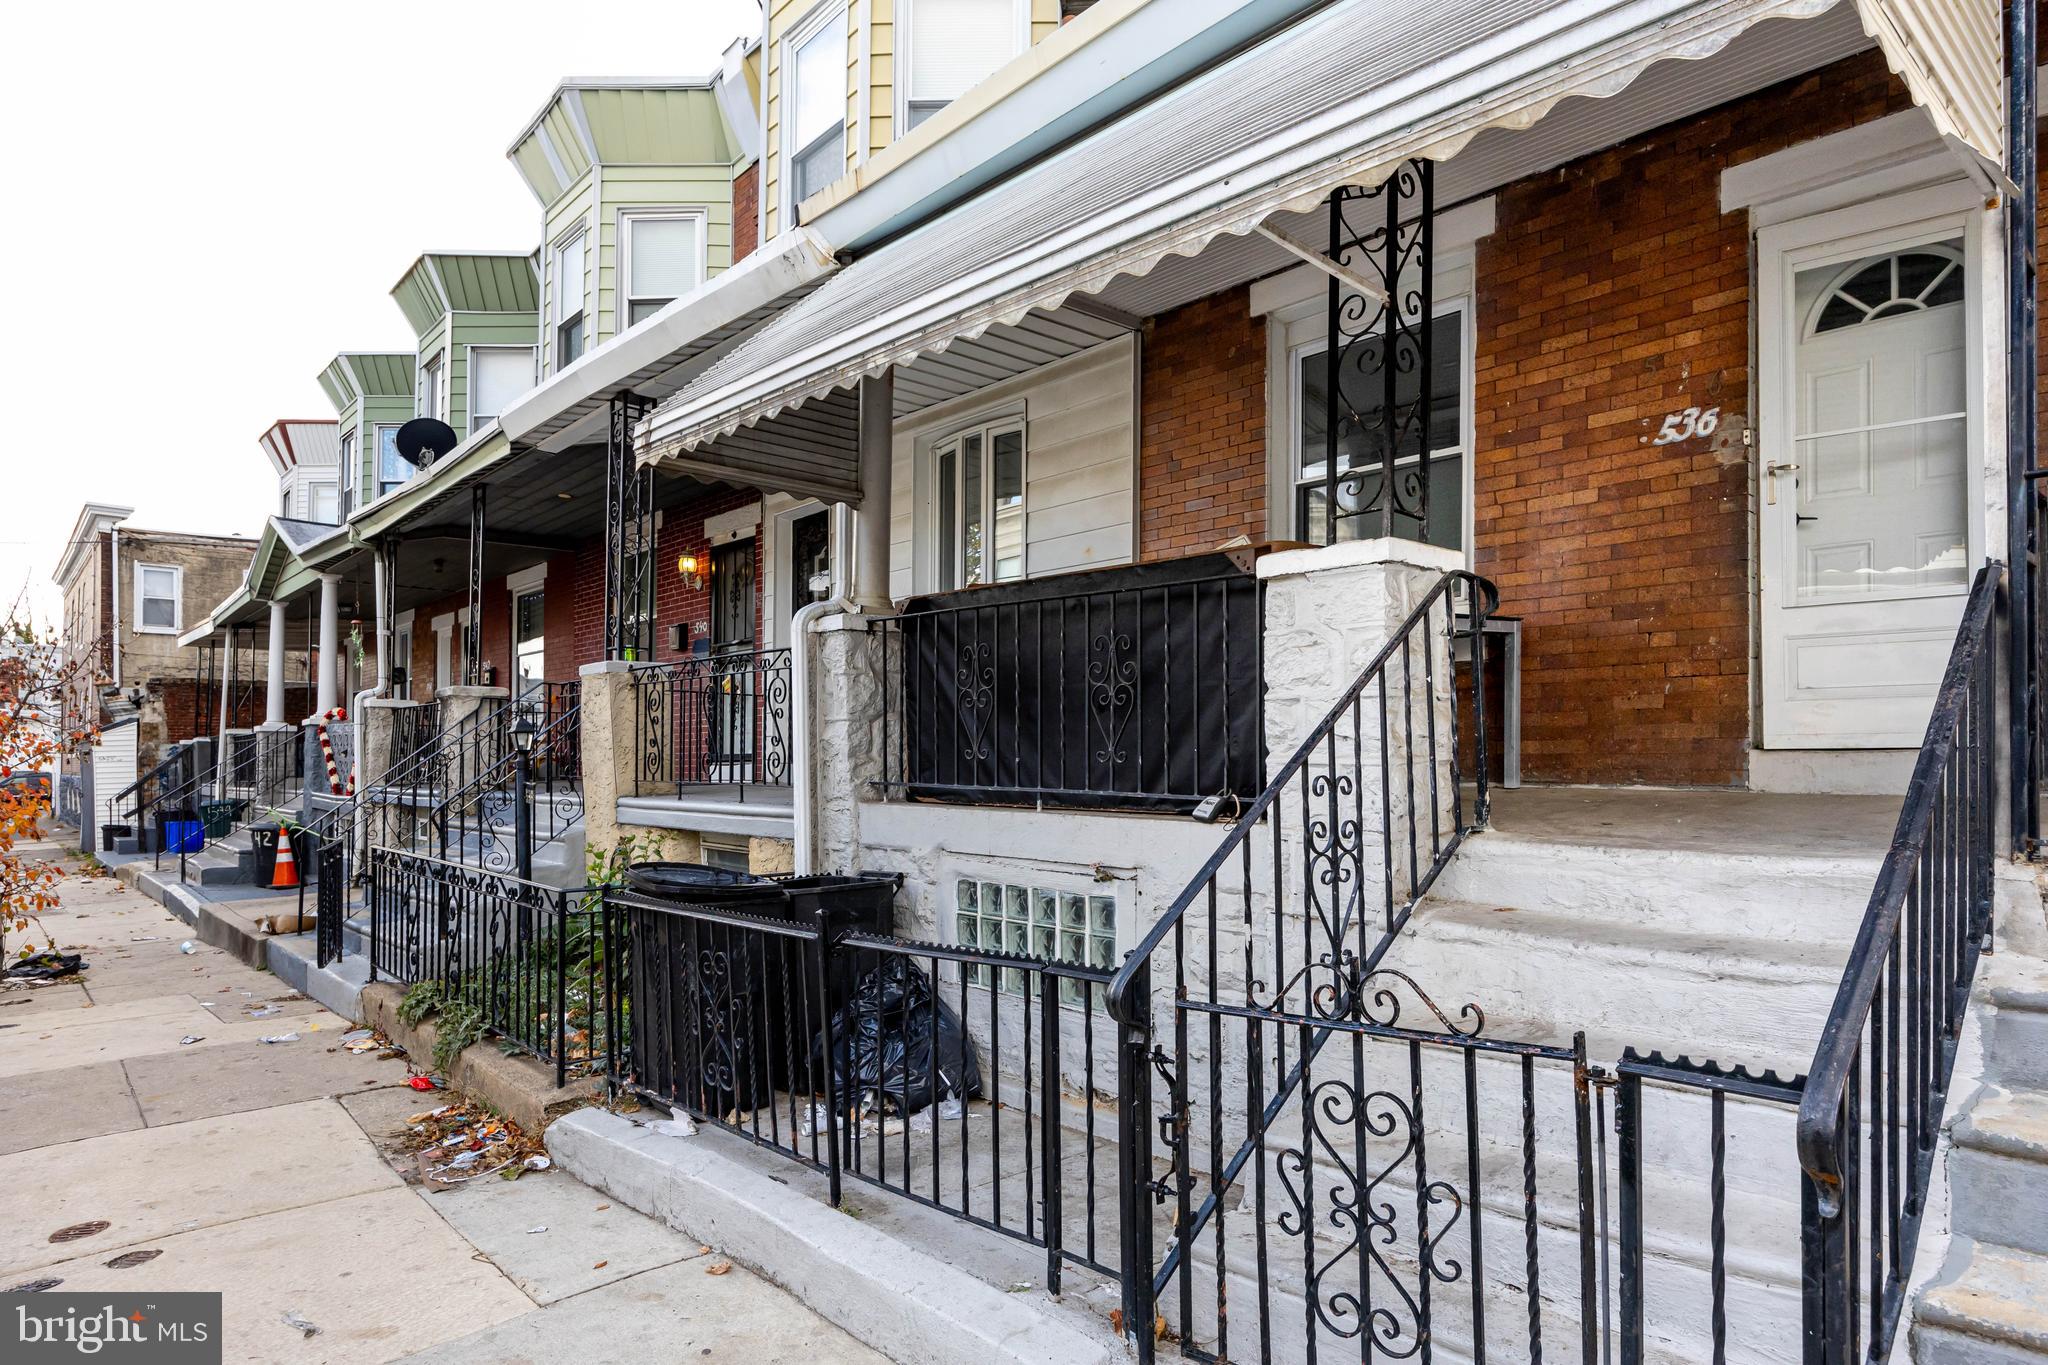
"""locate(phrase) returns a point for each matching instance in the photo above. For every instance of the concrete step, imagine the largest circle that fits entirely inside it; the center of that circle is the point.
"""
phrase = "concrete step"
(2016, 1052)
(1768, 897)
(1992, 1311)
(293, 959)
(1539, 975)
(1999, 1170)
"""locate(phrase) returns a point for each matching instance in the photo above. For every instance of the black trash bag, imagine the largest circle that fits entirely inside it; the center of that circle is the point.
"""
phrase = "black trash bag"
(44, 967)
(883, 1053)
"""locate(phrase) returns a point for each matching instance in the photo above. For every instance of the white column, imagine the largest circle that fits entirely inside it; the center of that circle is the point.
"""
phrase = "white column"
(273, 701)
(227, 683)
(383, 623)
(877, 461)
(330, 641)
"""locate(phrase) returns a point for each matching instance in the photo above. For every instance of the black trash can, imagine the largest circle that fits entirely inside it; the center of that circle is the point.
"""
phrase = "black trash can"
(865, 903)
(716, 887)
(109, 833)
(263, 843)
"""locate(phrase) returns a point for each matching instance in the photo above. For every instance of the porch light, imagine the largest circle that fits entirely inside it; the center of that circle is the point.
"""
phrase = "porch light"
(522, 735)
(692, 574)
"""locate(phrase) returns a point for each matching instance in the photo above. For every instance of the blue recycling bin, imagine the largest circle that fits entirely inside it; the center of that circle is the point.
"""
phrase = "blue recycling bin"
(182, 832)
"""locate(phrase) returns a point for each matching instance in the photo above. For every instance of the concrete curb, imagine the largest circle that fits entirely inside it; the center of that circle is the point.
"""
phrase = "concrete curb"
(893, 1295)
(520, 1087)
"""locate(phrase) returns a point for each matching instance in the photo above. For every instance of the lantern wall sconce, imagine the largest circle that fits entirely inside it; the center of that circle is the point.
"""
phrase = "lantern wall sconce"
(692, 572)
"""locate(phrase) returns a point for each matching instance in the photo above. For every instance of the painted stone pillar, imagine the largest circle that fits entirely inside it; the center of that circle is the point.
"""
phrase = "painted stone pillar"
(606, 732)
(846, 735)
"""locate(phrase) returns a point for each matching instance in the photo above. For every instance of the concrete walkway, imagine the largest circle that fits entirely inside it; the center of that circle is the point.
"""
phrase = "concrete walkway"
(272, 1172)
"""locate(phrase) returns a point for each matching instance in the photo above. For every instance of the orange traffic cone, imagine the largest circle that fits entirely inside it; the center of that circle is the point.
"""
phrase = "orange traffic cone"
(286, 871)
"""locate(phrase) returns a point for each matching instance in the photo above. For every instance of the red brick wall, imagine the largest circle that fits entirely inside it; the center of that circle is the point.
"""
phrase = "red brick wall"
(682, 532)
(1629, 563)
(746, 208)
(1202, 455)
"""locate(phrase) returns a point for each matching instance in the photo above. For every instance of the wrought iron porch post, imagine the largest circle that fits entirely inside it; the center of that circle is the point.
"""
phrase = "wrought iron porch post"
(1387, 345)
(2023, 533)
(387, 554)
(628, 507)
(473, 629)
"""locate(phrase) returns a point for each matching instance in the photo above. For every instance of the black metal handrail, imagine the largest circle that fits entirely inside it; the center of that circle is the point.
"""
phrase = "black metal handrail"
(479, 808)
(145, 789)
(1888, 1047)
(716, 720)
(1134, 688)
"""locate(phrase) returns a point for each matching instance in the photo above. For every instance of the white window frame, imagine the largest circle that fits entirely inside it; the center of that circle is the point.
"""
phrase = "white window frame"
(726, 843)
(377, 460)
(824, 16)
(951, 576)
(177, 625)
(444, 652)
(313, 487)
(435, 367)
(905, 38)
(348, 465)
(477, 421)
(556, 320)
(623, 297)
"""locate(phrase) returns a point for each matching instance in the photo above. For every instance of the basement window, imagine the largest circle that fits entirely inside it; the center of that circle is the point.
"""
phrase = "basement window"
(729, 855)
(1054, 923)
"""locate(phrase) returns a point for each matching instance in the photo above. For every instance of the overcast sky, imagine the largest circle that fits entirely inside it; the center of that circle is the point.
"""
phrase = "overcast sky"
(208, 200)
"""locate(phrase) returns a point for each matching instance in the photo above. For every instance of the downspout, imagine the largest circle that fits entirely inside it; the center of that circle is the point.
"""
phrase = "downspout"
(114, 572)
(804, 805)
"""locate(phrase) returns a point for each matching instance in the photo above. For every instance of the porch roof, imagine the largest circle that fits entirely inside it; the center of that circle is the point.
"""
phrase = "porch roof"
(999, 284)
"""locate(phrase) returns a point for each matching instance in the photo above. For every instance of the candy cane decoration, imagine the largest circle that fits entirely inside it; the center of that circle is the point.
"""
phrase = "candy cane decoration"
(334, 782)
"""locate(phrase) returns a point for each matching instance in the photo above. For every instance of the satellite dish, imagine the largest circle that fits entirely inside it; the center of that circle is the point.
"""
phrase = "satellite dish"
(424, 440)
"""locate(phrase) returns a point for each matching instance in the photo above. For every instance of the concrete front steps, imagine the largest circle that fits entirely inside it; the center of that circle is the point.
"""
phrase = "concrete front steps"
(1987, 1303)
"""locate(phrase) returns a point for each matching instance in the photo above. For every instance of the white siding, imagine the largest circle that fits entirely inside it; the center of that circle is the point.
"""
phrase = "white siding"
(1080, 465)
(113, 770)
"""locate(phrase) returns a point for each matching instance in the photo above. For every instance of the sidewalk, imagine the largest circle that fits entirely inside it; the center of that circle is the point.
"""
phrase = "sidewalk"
(272, 1172)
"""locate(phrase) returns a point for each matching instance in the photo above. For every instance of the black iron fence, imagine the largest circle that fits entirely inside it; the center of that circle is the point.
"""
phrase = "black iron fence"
(413, 728)
(330, 902)
(1135, 688)
(971, 1081)
(267, 769)
(523, 803)
(717, 720)
(1871, 1110)
(527, 961)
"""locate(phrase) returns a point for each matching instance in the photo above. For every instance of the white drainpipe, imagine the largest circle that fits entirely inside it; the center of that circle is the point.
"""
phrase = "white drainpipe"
(800, 701)
(114, 635)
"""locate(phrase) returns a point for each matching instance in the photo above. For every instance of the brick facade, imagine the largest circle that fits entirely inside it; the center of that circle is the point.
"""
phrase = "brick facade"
(1202, 454)
(746, 212)
(1630, 564)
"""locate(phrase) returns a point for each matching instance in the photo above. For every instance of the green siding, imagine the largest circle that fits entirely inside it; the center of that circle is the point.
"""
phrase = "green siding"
(656, 127)
(655, 187)
(480, 329)
(418, 297)
(532, 162)
(488, 284)
(382, 373)
(567, 142)
(575, 208)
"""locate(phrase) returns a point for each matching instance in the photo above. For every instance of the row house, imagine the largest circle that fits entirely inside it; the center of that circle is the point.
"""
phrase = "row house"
(1434, 611)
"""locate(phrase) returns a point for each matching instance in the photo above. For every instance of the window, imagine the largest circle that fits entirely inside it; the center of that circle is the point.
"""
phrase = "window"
(1047, 922)
(663, 260)
(497, 376)
(951, 45)
(430, 388)
(348, 469)
(730, 855)
(1445, 426)
(159, 598)
(565, 299)
(978, 504)
(323, 503)
(393, 468)
(814, 97)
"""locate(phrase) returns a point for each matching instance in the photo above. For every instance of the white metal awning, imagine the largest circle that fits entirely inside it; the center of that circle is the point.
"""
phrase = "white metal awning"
(1000, 283)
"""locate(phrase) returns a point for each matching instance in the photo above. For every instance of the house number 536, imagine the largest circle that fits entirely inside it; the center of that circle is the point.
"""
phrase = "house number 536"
(1683, 426)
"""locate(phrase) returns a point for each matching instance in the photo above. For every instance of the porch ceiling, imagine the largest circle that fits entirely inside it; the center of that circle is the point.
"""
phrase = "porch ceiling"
(1152, 210)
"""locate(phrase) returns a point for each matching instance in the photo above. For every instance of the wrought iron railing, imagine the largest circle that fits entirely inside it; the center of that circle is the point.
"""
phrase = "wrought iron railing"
(142, 795)
(1872, 1106)
(866, 1056)
(330, 904)
(267, 768)
(1135, 688)
(1273, 954)
(529, 959)
(499, 819)
(413, 728)
(715, 720)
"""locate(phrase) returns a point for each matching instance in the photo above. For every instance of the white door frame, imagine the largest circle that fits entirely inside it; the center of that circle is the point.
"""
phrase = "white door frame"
(1940, 213)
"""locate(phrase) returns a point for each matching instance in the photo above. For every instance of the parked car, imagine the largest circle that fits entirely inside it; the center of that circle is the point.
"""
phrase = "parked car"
(37, 784)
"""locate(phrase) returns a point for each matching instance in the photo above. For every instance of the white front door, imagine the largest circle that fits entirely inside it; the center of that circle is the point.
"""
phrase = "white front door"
(1869, 529)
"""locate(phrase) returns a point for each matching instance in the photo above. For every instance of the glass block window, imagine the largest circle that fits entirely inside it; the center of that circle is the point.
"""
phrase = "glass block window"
(1037, 921)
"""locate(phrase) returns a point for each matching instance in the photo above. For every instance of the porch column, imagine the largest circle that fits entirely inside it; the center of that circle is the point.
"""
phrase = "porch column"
(877, 429)
(330, 642)
(227, 687)
(273, 697)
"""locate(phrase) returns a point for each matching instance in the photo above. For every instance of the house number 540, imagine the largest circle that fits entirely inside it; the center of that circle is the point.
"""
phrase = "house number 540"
(1683, 426)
